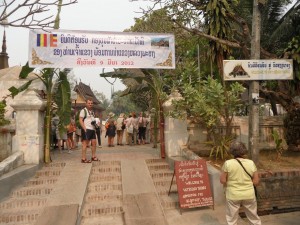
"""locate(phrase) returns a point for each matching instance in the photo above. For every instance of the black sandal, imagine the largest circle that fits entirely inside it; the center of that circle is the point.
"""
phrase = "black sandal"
(85, 161)
(94, 158)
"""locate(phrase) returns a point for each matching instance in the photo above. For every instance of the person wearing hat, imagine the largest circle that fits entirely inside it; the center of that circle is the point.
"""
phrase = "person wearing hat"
(120, 128)
(110, 129)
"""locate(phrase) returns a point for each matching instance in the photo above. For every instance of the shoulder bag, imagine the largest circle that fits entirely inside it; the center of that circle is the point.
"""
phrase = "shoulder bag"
(130, 129)
(255, 191)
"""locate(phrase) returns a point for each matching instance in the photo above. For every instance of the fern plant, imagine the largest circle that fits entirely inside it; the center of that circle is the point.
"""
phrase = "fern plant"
(278, 143)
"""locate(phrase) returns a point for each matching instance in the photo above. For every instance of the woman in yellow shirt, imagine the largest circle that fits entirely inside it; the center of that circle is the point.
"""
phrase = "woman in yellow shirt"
(239, 185)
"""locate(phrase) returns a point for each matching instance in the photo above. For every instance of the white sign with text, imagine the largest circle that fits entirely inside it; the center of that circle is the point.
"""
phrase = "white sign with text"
(69, 49)
(274, 69)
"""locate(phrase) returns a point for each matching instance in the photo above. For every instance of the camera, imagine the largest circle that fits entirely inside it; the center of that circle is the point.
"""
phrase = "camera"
(95, 124)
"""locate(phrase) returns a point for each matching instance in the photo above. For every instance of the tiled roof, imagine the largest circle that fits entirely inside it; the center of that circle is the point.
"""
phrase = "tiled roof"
(85, 92)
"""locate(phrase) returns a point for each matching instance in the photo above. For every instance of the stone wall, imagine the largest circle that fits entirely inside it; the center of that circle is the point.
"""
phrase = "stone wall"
(6, 134)
(240, 126)
(279, 191)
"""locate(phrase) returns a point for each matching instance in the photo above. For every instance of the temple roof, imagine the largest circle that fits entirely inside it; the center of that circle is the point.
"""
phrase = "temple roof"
(86, 92)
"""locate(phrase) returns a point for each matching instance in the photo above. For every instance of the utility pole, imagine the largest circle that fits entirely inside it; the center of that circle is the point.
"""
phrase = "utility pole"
(254, 85)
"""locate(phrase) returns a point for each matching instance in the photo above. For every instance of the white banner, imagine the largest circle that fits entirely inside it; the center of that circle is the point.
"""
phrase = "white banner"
(68, 49)
(277, 69)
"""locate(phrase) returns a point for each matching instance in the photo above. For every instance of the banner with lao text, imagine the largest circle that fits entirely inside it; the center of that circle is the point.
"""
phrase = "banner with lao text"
(271, 69)
(68, 49)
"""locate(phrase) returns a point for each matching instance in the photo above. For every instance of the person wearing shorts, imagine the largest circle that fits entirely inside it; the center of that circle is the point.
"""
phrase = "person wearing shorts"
(88, 133)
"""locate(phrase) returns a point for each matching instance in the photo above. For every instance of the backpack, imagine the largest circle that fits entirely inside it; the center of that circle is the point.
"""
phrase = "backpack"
(77, 117)
(107, 125)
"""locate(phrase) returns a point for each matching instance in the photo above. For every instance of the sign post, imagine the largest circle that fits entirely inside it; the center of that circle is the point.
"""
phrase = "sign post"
(193, 184)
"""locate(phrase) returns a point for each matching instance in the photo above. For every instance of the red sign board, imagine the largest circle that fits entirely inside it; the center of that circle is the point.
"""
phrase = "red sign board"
(193, 183)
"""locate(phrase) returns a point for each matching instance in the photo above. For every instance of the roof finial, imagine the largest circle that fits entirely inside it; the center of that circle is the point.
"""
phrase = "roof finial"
(3, 55)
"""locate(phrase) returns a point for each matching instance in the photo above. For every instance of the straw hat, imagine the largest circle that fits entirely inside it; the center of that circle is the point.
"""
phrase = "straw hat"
(111, 114)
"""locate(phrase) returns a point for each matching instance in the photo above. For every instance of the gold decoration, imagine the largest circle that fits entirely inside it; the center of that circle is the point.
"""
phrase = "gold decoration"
(168, 62)
(37, 60)
(238, 71)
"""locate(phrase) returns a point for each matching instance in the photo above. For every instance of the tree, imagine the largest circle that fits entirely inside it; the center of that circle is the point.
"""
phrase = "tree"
(150, 82)
(209, 103)
(122, 104)
(102, 98)
(31, 14)
(214, 19)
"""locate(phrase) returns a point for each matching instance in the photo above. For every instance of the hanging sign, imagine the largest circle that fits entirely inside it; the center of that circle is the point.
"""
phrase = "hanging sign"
(69, 49)
(193, 184)
(277, 69)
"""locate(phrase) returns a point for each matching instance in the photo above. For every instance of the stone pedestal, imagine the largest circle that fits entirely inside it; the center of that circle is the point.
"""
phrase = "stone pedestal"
(175, 130)
(29, 136)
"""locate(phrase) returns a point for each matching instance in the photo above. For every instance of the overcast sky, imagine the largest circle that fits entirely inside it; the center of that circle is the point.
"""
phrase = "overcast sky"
(94, 15)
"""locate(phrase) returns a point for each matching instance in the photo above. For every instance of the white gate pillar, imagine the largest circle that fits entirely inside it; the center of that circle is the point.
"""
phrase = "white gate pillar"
(29, 136)
(175, 130)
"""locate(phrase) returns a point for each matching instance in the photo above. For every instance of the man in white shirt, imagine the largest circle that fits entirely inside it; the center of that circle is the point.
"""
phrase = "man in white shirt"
(86, 120)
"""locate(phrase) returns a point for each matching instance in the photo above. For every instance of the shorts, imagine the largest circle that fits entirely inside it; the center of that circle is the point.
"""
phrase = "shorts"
(88, 135)
(61, 136)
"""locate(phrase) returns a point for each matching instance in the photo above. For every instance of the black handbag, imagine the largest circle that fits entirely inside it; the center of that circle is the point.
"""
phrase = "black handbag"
(255, 190)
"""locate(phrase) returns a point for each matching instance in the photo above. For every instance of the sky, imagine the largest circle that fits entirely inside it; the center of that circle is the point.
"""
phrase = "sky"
(90, 15)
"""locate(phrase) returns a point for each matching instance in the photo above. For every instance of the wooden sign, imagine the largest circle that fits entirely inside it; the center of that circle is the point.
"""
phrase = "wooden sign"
(193, 184)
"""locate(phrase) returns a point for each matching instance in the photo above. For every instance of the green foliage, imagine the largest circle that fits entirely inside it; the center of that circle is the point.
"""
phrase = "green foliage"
(23, 75)
(122, 104)
(3, 121)
(211, 105)
(220, 146)
(293, 50)
(278, 143)
(62, 97)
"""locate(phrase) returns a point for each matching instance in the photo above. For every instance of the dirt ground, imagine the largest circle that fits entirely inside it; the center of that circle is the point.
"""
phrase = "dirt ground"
(269, 161)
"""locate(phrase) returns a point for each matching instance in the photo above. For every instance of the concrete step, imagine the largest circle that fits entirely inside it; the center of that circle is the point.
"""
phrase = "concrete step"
(114, 177)
(55, 164)
(48, 172)
(19, 217)
(15, 204)
(170, 202)
(165, 190)
(162, 177)
(105, 169)
(159, 167)
(25, 203)
(164, 182)
(107, 208)
(96, 187)
(155, 161)
(103, 201)
(25, 192)
(165, 174)
(104, 196)
(107, 163)
(116, 219)
(40, 181)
